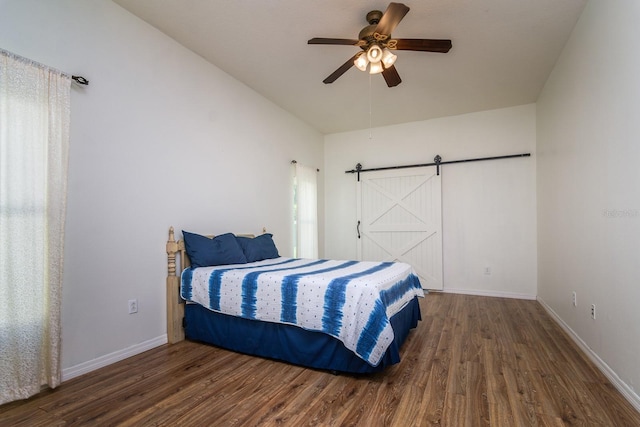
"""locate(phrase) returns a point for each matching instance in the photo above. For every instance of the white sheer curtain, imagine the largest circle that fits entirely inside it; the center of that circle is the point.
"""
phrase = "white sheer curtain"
(306, 203)
(34, 141)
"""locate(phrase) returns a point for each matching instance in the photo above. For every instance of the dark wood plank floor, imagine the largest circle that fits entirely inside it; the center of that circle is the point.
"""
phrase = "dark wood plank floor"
(472, 361)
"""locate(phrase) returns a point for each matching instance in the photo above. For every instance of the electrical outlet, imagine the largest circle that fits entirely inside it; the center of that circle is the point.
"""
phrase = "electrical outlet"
(575, 299)
(593, 311)
(133, 306)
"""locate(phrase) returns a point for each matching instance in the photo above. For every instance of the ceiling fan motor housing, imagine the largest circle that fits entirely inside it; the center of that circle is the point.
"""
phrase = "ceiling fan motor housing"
(367, 34)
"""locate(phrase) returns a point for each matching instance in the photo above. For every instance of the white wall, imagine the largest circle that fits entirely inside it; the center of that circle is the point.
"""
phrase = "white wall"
(589, 186)
(159, 138)
(489, 207)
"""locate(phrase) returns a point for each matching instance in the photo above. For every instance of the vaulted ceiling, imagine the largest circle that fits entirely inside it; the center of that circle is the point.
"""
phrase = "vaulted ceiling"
(503, 51)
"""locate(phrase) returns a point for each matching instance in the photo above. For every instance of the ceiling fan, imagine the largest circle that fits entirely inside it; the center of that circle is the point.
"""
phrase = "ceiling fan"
(376, 44)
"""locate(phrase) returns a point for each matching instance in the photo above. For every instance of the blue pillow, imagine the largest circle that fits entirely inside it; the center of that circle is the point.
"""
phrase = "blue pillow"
(258, 248)
(221, 250)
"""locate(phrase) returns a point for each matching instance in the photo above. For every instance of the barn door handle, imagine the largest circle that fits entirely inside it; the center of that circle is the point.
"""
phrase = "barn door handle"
(358, 229)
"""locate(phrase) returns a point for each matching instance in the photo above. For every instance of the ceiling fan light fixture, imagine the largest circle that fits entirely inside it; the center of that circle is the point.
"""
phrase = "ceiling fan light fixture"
(376, 45)
(388, 58)
(374, 54)
(361, 62)
(376, 68)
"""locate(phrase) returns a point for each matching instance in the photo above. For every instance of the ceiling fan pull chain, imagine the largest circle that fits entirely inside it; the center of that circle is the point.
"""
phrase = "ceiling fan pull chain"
(370, 119)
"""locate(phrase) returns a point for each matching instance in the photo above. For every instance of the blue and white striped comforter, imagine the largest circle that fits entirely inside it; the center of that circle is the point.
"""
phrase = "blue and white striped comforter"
(349, 300)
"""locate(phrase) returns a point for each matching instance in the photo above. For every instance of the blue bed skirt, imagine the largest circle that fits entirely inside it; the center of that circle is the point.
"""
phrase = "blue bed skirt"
(291, 343)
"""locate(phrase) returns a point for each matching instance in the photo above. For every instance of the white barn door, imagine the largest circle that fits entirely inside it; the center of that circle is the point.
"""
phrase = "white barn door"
(400, 219)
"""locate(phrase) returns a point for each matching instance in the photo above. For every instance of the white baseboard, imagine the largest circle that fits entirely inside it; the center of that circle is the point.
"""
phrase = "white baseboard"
(622, 387)
(499, 294)
(108, 359)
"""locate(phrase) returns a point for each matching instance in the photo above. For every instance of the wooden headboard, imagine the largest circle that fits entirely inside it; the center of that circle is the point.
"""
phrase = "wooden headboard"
(175, 304)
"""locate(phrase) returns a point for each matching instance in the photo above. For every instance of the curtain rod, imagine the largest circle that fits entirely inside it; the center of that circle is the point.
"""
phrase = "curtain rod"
(437, 162)
(293, 162)
(78, 79)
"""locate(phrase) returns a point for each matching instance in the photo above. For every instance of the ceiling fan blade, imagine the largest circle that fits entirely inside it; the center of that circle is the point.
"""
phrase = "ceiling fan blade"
(341, 70)
(391, 76)
(321, 40)
(424, 45)
(391, 18)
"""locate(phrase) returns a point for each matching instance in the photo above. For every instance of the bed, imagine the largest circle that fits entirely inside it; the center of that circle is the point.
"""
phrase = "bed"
(342, 316)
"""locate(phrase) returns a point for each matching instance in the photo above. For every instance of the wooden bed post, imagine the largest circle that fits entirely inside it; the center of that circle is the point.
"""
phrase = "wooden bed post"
(175, 307)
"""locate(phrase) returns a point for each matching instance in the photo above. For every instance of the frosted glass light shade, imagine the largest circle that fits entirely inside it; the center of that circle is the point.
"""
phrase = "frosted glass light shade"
(375, 68)
(388, 58)
(361, 62)
(374, 54)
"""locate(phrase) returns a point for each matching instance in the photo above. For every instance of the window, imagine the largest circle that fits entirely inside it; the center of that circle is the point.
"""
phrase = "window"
(305, 207)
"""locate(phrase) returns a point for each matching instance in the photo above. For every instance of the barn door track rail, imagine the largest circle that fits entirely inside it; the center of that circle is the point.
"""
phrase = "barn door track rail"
(437, 162)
